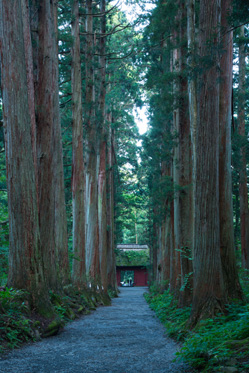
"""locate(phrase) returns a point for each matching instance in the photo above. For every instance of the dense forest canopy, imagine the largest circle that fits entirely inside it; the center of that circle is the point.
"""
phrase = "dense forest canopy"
(77, 177)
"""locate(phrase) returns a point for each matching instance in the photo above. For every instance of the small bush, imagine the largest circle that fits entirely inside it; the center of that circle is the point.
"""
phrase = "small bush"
(175, 319)
(213, 343)
(15, 325)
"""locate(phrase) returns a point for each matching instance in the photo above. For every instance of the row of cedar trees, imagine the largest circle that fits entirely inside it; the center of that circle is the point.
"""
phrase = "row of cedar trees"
(38, 258)
(193, 244)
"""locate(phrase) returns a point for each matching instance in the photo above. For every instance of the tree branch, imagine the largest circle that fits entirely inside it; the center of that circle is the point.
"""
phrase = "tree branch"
(122, 58)
(112, 32)
(65, 95)
(99, 14)
(64, 81)
(63, 104)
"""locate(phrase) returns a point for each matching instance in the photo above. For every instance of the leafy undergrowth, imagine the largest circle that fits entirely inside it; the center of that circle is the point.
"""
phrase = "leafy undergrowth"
(19, 323)
(214, 345)
(15, 326)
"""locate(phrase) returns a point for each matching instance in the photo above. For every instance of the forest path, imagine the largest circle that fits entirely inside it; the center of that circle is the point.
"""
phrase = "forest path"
(125, 337)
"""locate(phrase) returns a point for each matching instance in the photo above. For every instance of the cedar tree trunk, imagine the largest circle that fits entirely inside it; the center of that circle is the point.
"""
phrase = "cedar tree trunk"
(227, 249)
(92, 167)
(25, 255)
(52, 212)
(102, 177)
(111, 260)
(208, 292)
(78, 180)
(243, 192)
(185, 175)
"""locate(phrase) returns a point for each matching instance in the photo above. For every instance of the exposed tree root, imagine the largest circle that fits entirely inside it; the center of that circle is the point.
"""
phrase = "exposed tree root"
(29, 324)
(239, 345)
(206, 309)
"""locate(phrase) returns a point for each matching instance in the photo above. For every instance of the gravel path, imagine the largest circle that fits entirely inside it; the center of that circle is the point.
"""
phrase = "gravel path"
(125, 337)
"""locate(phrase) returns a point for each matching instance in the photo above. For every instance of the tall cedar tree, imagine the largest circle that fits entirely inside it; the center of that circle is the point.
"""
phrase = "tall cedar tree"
(91, 180)
(185, 169)
(52, 212)
(208, 292)
(25, 252)
(111, 260)
(78, 177)
(195, 193)
(175, 215)
(227, 251)
(102, 176)
(243, 192)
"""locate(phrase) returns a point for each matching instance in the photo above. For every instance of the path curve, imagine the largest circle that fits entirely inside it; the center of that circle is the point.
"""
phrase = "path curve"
(125, 337)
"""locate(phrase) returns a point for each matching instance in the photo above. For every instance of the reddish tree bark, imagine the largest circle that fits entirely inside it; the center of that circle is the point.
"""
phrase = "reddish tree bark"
(78, 179)
(192, 84)
(25, 251)
(111, 260)
(174, 283)
(102, 215)
(243, 192)
(185, 174)
(102, 177)
(92, 166)
(155, 257)
(227, 248)
(166, 255)
(52, 212)
(176, 213)
(208, 292)
(192, 99)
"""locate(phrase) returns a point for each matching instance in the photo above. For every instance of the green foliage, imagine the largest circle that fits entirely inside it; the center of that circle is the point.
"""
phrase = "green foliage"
(163, 98)
(186, 281)
(20, 323)
(4, 253)
(15, 325)
(132, 258)
(174, 319)
(213, 343)
(112, 293)
(132, 206)
(240, 11)
(60, 305)
(244, 280)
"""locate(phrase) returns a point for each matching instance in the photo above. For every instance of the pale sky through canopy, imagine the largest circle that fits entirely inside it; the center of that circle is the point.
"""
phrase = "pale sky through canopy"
(132, 11)
(141, 119)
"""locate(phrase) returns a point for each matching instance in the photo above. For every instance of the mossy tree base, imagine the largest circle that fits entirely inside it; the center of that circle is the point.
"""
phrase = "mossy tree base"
(29, 324)
(207, 309)
(53, 328)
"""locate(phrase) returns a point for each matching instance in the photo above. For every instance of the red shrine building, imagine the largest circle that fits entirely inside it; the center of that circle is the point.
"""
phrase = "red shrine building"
(132, 262)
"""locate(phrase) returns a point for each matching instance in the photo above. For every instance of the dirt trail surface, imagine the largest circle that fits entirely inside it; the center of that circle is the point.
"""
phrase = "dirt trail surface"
(125, 337)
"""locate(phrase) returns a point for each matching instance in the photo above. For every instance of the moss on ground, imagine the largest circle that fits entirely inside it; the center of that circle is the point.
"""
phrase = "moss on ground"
(19, 323)
(220, 344)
